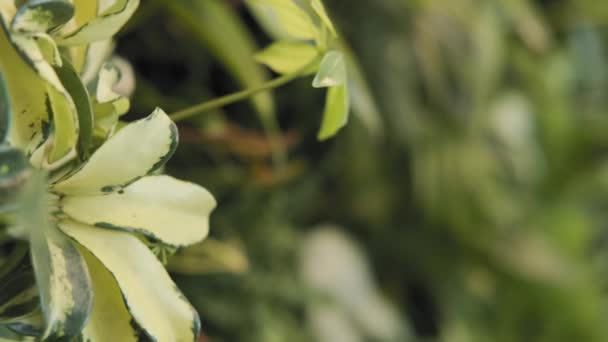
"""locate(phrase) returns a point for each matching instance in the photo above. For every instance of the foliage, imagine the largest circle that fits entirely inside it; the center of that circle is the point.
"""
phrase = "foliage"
(462, 202)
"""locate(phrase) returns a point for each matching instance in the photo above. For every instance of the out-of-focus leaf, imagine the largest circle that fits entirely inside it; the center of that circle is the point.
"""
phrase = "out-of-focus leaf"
(215, 25)
(210, 256)
(42, 15)
(285, 57)
(332, 71)
(335, 115)
(61, 273)
(318, 7)
(103, 26)
(283, 18)
(14, 170)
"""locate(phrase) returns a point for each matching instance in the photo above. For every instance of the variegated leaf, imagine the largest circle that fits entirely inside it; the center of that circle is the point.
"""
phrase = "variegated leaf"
(61, 272)
(103, 26)
(154, 301)
(135, 151)
(28, 100)
(37, 100)
(109, 320)
(161, 207)
(71, 81)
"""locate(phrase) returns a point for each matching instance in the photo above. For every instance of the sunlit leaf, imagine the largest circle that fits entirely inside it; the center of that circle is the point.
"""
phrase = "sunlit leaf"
(286, 57)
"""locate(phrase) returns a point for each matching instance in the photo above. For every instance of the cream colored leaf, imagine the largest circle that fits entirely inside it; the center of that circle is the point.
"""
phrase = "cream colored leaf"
(161, 207)
(135, 151)
(154, 301)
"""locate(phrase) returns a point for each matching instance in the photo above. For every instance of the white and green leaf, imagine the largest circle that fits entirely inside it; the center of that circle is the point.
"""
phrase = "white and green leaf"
(154, 301)
(335, 115)
(38, 100)
(136, 150)
(332, 71)
(286, 57)
(161, 207)
(28, 99)
(103, 26)
(61, 272)
(110, 319)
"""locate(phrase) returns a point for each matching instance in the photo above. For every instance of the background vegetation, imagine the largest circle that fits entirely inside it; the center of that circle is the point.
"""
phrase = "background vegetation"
(479, 201)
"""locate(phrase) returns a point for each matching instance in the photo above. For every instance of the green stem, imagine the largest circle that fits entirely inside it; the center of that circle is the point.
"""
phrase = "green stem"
(239, 96)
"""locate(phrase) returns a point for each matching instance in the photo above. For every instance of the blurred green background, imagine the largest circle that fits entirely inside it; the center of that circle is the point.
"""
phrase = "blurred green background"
(475, 211)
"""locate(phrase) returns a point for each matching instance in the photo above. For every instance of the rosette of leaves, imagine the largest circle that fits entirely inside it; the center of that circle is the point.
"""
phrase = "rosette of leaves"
(304, 34)
(96, 235)
(51, 54)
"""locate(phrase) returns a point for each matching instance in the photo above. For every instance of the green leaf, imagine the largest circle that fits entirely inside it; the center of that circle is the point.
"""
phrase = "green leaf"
(332, 71)
(160, 207)
(72, 83)
(61, 272)
(14, 171)
(135, 151)
(103, 26)
(286, 57)
(5, 110)
(336, 111)
(42, 15)
(153, 300)
(110, 319)
(284, 18)
(319, 9)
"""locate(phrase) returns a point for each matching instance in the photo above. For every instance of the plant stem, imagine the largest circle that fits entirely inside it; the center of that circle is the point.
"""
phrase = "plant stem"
(238, 96)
